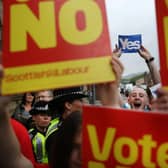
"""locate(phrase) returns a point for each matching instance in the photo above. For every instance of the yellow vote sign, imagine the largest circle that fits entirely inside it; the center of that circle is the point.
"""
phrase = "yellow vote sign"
(54, 44)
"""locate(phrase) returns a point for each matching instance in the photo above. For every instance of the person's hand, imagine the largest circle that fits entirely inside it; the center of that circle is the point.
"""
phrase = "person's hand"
(144, 53)
(161, 102)
(117, 51)
(108, 93)
(117, 68)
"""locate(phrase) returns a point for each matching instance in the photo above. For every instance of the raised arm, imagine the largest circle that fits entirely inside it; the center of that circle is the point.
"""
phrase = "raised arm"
(108, 93)
(145, 54)
(10, 153)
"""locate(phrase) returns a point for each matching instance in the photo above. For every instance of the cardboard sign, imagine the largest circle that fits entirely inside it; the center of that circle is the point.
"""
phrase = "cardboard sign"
(129, 44)
(162, 25)
(124, 139)
(53, 44)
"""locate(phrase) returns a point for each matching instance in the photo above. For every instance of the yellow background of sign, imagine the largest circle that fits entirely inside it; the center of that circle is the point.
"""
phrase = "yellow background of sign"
(95, 70)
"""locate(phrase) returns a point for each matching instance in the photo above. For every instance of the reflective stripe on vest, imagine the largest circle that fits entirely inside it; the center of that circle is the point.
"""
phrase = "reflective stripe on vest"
(38, 143)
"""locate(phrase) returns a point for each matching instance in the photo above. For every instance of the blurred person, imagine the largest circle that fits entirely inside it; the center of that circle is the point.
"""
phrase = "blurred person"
(44, 95)
(21, 113)
(15, 140)
(66, 143)
(41, 116)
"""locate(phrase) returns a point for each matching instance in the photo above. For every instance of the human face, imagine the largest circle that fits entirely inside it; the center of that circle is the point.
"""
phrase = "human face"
(75, 158)
(29, 97)
(138, 99)
(41, 120)
(76, 105)
(43, 96)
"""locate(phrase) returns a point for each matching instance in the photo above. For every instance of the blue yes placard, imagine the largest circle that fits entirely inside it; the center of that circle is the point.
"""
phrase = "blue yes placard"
(129, 43)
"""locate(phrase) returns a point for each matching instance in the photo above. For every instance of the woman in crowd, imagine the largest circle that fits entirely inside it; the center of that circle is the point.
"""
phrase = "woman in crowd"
(21, 113)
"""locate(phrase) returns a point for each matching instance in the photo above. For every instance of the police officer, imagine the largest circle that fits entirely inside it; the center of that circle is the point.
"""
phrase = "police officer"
(65, 102)
(41, 116)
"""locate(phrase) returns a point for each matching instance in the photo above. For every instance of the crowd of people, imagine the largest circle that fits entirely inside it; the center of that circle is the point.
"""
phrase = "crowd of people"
(46, 128)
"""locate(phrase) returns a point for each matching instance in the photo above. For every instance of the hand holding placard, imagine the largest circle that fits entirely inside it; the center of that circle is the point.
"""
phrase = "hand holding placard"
(108, 92)
(144, 53)
(117, 51)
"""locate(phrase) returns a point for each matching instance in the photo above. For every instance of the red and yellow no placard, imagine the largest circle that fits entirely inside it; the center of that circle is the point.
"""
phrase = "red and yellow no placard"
(53, 44)
(162, 25)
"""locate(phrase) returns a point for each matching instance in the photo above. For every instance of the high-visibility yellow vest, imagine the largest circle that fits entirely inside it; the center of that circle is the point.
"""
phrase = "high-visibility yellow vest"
(52, 127)
(38, 142)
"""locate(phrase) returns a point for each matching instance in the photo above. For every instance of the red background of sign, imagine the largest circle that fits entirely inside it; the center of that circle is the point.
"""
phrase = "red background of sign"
(131, 124)
(62, 52)
(162, 11)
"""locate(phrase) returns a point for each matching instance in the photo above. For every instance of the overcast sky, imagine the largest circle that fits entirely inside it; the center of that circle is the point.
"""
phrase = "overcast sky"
(127, 17)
